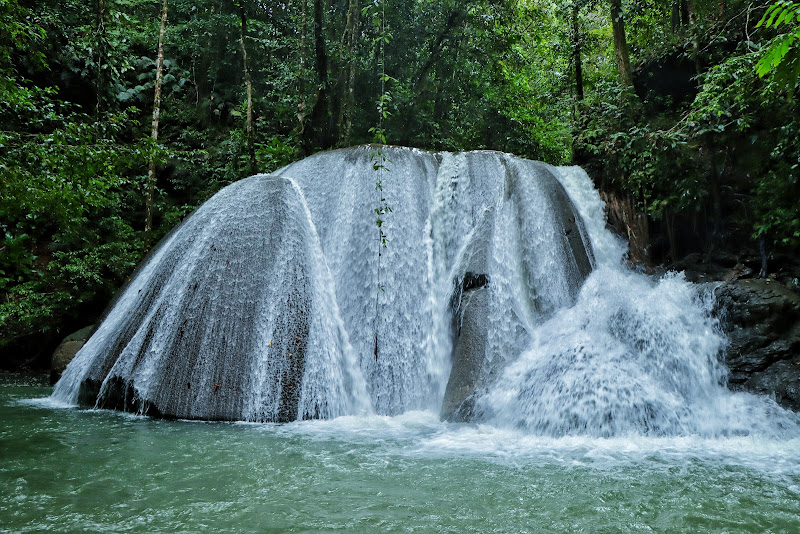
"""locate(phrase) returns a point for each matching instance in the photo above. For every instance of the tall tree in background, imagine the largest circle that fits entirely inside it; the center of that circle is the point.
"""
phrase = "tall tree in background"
(316, 133)
(621, 44)
(302, 71)
(248, 82)
(576, 50)
(350, 39)
(102, 40)
(151, 170)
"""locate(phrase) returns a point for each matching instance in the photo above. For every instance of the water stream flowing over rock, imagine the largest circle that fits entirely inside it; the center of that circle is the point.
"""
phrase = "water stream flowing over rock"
(500, 297)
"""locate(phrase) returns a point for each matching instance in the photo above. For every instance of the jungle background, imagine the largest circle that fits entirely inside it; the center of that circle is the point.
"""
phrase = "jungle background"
(119, 117)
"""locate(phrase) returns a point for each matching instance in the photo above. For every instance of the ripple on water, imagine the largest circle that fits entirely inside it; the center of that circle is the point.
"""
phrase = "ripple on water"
(104, 471)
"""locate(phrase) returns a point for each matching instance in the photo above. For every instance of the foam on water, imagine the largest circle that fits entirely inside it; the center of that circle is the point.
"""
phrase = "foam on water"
(420, 434)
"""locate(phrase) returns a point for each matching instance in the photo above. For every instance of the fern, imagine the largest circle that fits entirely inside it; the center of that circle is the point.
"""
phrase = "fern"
(782, 55)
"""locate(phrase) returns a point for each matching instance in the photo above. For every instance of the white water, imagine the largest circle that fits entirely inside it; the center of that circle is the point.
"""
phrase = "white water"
(632, 356)
(279, 265)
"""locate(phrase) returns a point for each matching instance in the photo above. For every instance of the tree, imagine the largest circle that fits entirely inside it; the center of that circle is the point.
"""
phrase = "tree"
(576, 50)
(347, 105)
(102, 40)
(621, 44)
(317, 133)
(151, 170)
(248, 81)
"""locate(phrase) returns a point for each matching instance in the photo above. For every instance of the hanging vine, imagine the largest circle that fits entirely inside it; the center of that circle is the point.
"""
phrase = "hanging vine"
(377, 12)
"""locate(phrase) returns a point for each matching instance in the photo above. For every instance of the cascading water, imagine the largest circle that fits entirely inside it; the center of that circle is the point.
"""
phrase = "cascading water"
(265, 305)
(632, 355)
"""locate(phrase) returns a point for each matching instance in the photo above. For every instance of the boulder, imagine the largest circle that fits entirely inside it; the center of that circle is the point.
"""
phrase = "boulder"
(762, 321)
(466, 377)
(67, 350)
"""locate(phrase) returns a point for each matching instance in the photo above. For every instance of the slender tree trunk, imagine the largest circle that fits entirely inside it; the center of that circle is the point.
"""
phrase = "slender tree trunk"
(669, 221)
(693, 28)
(762, 250)
(317, 134)
(101, 55)
(621, 44)
(202, 85)
(675, 16)
(302, 89)
(576, 52)
(151, 171)
(435, 49)
(351, 32)
(717, 227)
(248, 82)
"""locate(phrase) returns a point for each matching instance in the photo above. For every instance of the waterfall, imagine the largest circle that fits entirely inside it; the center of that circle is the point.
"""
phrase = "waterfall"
(633, 355)
(499, 297)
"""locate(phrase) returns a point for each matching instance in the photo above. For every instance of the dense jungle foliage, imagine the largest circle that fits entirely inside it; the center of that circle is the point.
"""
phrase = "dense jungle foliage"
(683, 111)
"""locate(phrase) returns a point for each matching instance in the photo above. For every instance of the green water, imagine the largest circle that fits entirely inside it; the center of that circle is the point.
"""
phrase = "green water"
(69, 470)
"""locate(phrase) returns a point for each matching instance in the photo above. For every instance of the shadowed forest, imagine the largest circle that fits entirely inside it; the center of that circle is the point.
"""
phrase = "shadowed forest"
(119, 117)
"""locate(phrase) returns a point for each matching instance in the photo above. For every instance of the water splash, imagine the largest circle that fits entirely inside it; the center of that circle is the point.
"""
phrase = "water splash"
(632, 356)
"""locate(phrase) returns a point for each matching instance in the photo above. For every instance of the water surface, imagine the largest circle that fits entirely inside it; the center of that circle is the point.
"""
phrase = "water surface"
(65, 469)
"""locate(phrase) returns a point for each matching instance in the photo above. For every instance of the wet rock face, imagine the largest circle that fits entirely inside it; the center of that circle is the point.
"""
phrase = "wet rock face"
(267, 303)
(67, 350)
(762, 322)
(481, 346)
(468, 355)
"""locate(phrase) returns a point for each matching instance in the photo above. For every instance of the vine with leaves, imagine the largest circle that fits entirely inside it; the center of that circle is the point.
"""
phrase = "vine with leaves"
(380, 163)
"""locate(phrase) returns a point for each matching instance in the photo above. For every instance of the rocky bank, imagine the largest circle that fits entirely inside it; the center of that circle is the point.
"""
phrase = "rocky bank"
(761, 319)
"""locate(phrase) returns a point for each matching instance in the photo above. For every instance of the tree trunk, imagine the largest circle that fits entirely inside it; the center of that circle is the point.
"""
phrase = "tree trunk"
(675, 16)
(693, 28)
(576, 52)
(317, 134)
(762, 250)
(351, 32)
(101, 55)
(669, 221)
(201, 63)
(248, 82)
(717, 227)
(302, 104)
(621, 44)
(435, 49)
(151, 171)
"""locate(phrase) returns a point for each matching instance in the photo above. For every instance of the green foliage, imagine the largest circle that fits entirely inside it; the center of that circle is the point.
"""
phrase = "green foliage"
(64, 195)
(736, 109)
(782, 54)
(653, 165)
(730, 153)
(76, 96)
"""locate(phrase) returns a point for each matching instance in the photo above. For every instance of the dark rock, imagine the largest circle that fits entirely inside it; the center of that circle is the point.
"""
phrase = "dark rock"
(699, 269)
(781, 381)
(762, 322)
(478, 360)
(67, 350)
(469, 306)
(474, 281)
(468, 358)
